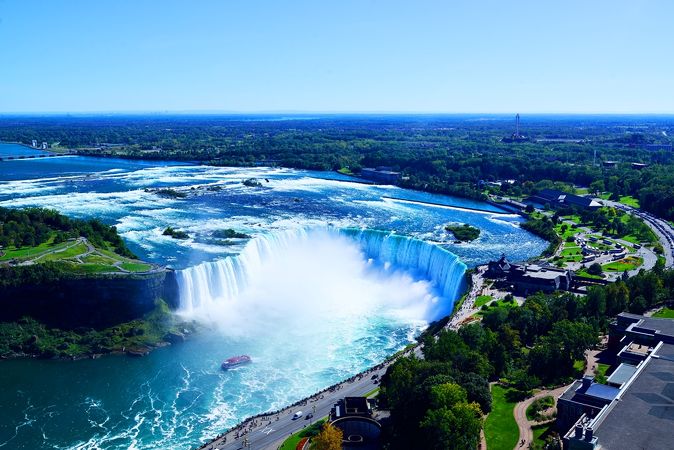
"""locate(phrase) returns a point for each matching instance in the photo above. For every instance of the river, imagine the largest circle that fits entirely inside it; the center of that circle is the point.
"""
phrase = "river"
(315, 309)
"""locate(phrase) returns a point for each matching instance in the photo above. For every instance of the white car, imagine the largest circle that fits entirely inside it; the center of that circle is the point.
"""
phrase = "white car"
(297, 415)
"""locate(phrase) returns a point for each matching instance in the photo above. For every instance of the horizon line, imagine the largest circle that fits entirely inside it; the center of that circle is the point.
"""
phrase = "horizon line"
(328, 113)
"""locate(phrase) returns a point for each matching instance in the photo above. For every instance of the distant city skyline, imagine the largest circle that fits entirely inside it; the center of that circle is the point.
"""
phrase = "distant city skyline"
(349, 56)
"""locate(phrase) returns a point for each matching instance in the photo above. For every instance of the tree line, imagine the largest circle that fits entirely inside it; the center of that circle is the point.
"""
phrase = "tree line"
(444, 154)
(34, 226)
(438, 402)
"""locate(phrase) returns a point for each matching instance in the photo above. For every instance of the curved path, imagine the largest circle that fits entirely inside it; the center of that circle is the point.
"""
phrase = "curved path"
(520, 413)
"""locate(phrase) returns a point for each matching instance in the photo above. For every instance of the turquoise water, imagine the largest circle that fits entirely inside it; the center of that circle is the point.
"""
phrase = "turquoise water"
(318, 310)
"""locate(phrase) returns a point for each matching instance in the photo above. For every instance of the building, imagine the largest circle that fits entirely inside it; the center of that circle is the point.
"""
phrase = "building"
(529, 278)
(638, 166)
(559, 199)
(635, 409)
(381, 174)
(354, 416)
(609, 164)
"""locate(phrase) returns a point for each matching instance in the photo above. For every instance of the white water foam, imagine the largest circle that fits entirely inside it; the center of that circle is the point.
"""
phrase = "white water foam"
(326, 270)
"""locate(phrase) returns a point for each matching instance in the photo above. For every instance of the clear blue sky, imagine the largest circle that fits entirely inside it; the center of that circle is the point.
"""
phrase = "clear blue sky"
(337, 56)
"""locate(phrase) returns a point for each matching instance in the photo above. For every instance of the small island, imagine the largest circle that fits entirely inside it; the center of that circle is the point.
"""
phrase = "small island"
(169, 193)
(175, 234)
(251, 182)
(229, 234)
(463, 232)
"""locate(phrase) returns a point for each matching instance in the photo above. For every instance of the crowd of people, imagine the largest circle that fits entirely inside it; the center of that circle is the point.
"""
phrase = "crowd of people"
(266, 419)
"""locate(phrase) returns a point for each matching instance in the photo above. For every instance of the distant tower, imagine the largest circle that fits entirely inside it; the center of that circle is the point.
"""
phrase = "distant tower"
(517, 126)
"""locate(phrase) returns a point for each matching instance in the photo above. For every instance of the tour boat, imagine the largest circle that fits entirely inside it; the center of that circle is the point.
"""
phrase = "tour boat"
(235, 361)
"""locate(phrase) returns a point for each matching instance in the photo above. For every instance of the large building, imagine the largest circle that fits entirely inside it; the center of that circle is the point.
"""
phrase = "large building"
(559, 199)
(381, 174)
(635, 408)
(529, 278)
(354, 417)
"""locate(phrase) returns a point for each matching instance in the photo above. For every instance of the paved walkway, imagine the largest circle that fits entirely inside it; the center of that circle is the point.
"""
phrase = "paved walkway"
(269, 431)
(520, 413)
(468, 307)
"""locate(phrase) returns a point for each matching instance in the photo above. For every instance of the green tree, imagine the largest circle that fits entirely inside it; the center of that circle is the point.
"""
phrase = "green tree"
(455, 428)
(595, 269)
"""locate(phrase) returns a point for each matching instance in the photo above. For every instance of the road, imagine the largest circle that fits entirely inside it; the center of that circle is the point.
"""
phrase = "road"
(662, 229)
(649, 257)
(269, 432)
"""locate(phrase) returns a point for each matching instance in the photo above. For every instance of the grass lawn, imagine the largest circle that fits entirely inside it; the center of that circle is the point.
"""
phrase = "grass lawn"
(540, 433)
(583, 273)
(135, 267)
(573, 218)
(630, 201)
(500, 429)
(569, 231)
(293, 440)
(499, 303)
(30, 252)
(579, 365)
(628, 263)
(572, 254)
(372, 392)
(344, 171)
(600, 376)
(94, 268)
(631, 238)
(665, 313)
(65, 254)
(605, 195)
(98, 259)
(482, 299)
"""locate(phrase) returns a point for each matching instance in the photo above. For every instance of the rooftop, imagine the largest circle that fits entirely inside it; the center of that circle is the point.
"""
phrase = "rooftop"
(622, 374)
(643, 416)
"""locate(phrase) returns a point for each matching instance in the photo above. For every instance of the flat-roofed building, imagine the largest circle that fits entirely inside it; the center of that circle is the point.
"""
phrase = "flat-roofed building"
(381, 174)
(635, 409)
(559, 199)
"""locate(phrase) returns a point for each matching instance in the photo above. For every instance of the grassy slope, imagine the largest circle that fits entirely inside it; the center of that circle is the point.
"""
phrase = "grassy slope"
(628, 263)
(101, 261)
(500, 429)
(665, 313)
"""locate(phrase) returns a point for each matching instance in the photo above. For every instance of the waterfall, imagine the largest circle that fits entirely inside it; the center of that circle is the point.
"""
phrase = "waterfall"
(221, 281)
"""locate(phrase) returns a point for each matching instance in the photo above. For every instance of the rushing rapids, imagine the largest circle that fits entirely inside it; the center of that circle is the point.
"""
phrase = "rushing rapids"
(310, 309)
(220, 282)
